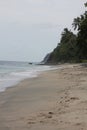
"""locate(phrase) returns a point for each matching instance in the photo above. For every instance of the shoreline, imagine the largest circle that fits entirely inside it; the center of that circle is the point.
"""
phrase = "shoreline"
(15, 77)
(55, 100)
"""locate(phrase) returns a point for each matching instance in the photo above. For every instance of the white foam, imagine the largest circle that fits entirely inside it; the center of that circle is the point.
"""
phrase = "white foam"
(12, 78)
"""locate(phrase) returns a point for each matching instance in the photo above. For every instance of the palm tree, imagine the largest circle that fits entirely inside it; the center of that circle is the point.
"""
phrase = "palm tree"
(76, 23)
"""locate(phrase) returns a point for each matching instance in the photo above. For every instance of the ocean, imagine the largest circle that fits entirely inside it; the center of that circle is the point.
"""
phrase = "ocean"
(12, 72)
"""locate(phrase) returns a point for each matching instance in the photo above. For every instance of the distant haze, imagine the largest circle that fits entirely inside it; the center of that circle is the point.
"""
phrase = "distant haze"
(29, 29)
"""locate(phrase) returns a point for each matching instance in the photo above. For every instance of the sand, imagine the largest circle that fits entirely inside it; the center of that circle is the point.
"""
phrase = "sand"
(55, 100)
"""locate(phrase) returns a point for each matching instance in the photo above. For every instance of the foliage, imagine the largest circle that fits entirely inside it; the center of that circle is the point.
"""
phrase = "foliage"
(66, 49)
(81, 26)
(72, 48)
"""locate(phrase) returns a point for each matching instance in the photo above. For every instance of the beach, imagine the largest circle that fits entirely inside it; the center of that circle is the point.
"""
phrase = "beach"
(55, 100)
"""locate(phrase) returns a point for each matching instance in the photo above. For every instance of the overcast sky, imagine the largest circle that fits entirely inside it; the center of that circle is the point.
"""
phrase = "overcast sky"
(29, 29)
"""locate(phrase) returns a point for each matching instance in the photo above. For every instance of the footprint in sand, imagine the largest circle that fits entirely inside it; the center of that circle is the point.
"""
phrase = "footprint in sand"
(74, 98)
(31, 122)
(41, 118)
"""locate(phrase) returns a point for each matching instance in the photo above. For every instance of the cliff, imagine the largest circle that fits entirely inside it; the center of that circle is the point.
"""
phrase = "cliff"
(65, 50)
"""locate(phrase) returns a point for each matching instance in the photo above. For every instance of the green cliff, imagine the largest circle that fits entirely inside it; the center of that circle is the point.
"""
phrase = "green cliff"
(72, 48)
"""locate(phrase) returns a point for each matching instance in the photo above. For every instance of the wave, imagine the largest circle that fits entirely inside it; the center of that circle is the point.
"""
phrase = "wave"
(10, 77)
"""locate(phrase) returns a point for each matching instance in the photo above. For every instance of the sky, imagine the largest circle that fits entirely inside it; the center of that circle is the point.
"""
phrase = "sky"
(29, 29)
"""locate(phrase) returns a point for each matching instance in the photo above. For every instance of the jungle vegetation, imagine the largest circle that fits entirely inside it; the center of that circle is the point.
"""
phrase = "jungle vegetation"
(72, 47)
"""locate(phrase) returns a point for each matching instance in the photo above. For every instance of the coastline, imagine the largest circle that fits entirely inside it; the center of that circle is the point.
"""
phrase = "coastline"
(55, 100)
(11, 77)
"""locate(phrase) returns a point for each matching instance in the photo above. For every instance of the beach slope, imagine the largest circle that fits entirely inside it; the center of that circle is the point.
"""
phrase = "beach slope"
(55, 100)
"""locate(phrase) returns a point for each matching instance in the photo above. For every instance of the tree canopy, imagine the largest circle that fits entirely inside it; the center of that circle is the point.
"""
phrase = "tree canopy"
(80, 23)
(66, 49)
(72, 48)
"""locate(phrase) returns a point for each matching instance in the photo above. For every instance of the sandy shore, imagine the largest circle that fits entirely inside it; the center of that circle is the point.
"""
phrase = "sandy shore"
(56, 100)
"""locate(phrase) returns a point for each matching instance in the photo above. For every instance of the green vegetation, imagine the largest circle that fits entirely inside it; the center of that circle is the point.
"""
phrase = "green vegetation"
(72, 48)
(66, 49)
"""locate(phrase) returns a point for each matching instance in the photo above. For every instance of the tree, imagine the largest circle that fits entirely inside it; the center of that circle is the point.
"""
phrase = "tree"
(80, 23)
(66, 49)
(72, 48)
(76, 23)
(82, 40)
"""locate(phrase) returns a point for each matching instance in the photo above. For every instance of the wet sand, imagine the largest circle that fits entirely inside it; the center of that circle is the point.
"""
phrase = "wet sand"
(55, 100)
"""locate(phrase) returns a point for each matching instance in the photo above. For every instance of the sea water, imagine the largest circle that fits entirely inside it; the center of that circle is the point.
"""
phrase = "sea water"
(12, 72)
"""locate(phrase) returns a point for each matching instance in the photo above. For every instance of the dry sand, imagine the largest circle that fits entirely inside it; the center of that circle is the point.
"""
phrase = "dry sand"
(55, 100)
